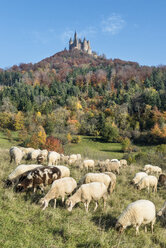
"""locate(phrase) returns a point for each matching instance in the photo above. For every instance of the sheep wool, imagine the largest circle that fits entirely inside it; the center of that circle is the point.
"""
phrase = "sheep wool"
(137, 213)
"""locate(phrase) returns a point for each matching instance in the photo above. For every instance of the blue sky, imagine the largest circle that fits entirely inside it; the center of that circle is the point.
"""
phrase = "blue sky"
(32, 30)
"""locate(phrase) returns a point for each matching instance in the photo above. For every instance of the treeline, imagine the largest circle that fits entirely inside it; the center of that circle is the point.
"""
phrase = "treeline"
(109, 98)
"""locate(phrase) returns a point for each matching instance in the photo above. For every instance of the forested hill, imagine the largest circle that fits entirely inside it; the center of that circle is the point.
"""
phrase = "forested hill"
(91, 91)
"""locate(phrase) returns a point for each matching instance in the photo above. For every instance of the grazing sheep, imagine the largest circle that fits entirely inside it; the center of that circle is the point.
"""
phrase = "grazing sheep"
(147, 166)
(64, 159)
(137, 213)
(102, 163)
(162, 180)
(147, 182)
(152, 169)
(115, 160)
(42, 156)
(44, 153)
(26, 150)
(113, 180)
(138, 176)
(40, 159)
(72, 159)
(16, 154)
(53, 158)
(123, 163)
(97, 177)
(88, 163)
(59, 188)
(65, 172)
(78, 157)
(87, 192)
(112, 166)
(162, 212)
(19, 171)
(33, 154)
(38, 178)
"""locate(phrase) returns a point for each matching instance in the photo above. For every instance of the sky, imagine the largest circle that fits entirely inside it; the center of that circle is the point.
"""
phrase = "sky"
(131, 30)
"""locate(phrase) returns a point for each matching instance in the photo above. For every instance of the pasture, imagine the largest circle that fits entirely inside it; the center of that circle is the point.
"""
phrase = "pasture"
(23, 224)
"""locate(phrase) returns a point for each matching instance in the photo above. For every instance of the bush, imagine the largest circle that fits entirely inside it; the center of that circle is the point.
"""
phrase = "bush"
(110, 133)
(53, 144)
(126, 145)
(76, 140)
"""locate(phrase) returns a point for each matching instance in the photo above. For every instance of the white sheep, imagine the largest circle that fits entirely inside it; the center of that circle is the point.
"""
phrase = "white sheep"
(65, 172)
(18, 171)
(78, 156)
(113, 180)
(115, 160)
(154, 169)
(97, 177)
(59, 188)
(72, 158)
(88, 163)
(147, 182)
(44, 154)
(137, 213)
(33, 154)
(123, 163)
(162, 211)
(26, 150)
(147, 166)
(64, 159)
(87, 192)
(111, 166)
(53, 158)
(138, 176)
(16, 154)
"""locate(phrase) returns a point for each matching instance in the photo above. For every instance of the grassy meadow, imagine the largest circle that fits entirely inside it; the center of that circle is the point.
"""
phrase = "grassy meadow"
(24, 225)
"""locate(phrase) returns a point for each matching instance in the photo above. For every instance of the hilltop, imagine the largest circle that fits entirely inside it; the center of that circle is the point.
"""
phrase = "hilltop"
(90, 95)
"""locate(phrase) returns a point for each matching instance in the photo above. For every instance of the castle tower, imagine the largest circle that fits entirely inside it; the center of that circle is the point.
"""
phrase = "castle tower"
(75, 39)
(85, 45)
(70, 41)
(80, 45)
(89, 49)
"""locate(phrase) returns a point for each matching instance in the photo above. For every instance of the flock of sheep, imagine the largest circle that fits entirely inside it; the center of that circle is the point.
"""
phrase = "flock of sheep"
(92, 186)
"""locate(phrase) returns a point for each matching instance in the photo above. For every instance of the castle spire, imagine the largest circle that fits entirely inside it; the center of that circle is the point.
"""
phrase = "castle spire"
(75, 35)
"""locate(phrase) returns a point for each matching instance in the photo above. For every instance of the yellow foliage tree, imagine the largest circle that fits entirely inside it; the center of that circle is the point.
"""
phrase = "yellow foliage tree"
(41, 135)
(19, 121)
(38, 138)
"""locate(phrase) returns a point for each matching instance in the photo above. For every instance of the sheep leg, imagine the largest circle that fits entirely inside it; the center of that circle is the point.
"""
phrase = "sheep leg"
(45, 205)
(11, 159)
(63, 199)
(152, 224)
(104, 200)
(54, 203)
(86, 207)
(148, 189)
(137, 230)
(96, 206)
(86, 204)
(145, 228)
(155, 188)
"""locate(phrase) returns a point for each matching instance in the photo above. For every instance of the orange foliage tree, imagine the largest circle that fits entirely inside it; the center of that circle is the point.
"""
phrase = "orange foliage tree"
(53, 144)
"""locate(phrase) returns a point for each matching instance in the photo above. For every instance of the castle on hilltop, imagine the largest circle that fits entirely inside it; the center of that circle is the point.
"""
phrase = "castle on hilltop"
(79, 44)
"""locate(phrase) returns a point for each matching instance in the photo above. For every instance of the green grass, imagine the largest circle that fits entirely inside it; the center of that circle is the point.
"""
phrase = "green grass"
(94, 148)
(24, 225)
(5, 142)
